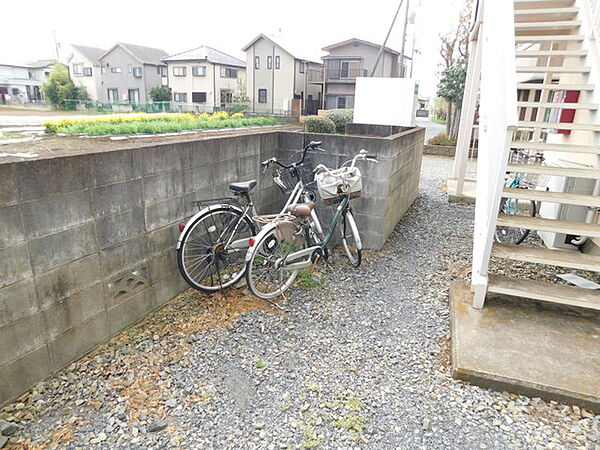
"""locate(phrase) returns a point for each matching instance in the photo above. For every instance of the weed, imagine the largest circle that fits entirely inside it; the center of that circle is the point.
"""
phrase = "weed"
(353, 421)
(311, 440)
(306, 281)
(260, 364)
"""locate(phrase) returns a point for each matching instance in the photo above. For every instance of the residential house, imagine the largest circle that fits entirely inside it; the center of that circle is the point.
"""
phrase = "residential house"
(348, 60)
(124, 73)
(85, 69)
(279, 81)
(129, 72)
(22, 83)
(204, 79)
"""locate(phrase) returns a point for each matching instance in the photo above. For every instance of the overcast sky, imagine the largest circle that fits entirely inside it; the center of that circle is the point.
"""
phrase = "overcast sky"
(180, 25)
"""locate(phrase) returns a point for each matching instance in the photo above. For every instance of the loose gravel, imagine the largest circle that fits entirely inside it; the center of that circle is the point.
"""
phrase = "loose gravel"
(360, 361)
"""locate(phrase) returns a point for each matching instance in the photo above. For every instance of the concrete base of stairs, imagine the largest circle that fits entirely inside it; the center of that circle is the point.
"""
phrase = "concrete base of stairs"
(468, 194)
(526, 347)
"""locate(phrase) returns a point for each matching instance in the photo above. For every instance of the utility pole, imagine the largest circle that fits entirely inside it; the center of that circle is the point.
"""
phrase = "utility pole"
(56, 45)
(402, 58)
(386, 39)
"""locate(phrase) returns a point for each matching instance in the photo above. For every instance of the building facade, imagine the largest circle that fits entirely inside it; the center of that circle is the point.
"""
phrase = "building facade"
(280, 82)
(21, 84)
(348, 60)
(204, 79)
(124, 73)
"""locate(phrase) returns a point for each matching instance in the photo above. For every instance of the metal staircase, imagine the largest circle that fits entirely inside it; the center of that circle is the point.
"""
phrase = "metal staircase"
(552, 46)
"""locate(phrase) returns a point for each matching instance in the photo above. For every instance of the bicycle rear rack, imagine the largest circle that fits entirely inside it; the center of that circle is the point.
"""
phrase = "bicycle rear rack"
(202, 204)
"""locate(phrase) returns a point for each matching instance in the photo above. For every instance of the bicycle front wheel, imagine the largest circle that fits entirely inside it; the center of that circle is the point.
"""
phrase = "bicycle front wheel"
(205, 260)
(351, 240)
(265, 276)
(514, 207)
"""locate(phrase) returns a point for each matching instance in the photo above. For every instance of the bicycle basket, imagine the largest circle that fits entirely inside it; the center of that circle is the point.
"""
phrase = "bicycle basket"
(334, 184)
(286, 179)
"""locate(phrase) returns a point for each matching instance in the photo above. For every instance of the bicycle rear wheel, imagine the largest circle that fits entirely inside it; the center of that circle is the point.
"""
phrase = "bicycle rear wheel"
(204, 259)
(351, 240)
(512, 206)
(264, 276)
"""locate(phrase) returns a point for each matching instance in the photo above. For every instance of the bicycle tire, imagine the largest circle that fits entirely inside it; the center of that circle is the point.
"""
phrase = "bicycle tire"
(351, 240)
(264, 252)
(514, 236)
(182, 258)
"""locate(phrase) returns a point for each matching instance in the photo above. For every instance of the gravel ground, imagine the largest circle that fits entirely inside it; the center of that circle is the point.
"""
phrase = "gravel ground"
(360, 361)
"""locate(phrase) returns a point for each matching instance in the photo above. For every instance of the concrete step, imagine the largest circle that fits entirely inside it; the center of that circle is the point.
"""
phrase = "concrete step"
(588, 106)
(540, 224)
(543, 291)
(560, 126)
(525, 4)
(550, 38)
(551, 53)
(557, 87)
(546, 14)
(552, 69)
(540, 255)
(547, 26)
(567, 148)
(593, 174)
(564, 198)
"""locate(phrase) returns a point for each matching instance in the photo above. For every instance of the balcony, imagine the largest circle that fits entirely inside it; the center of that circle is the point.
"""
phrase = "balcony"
(342, 75)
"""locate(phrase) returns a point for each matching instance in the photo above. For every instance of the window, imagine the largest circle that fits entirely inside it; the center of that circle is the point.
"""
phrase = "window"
(301, 68)
(180, 97)
(158, 70)
(345, 69)
(226, 96)
(262, 96)
(277, 62)
(257, 62)
(269, 62)
(77, 69)
(113, 95)
(137, 72)
(16, 91)
(115, 70)
(227, 72)
(179, 71)
(199, 97)
(199, 71)
(341, 102)
(87, 71)
(102, 69)
(133, 95)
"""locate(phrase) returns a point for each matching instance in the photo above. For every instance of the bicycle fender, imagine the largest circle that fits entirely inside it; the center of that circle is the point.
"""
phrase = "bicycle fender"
(200, 214)
(266, 229)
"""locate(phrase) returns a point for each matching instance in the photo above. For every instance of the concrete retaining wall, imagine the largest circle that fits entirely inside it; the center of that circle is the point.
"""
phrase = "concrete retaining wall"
(445, 150)
(87, 241)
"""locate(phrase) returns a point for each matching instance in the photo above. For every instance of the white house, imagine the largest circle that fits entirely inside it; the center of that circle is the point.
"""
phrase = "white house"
(204, 79)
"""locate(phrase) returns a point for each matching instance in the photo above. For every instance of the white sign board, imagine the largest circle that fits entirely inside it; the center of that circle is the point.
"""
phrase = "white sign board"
(385, 101)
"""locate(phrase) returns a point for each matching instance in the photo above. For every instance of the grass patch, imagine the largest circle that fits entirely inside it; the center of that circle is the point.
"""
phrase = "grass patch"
(306, 281)
(153, 124)
(442, 121)
(310, 438)
(353, 421)
(11, 135)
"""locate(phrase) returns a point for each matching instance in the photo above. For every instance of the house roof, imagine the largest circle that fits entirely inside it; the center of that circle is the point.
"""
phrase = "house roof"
(284, 45)
(360, 41)
(205, 53)
(91, 53)
(41, 63)
(145, 55)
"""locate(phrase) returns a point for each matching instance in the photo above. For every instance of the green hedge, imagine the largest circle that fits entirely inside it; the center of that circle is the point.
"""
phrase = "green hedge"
(319, 124)
(340, 118)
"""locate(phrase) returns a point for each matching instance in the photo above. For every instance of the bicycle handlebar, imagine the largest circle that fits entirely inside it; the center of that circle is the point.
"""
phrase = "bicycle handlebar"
(313, 145)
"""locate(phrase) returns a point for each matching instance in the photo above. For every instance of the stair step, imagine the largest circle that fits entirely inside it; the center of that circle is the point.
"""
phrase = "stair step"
(539, 26)
(544, 291)
(552, 69)
(554, 171)
(544, 3)
(540, 224)
(557, 87)
(590, 106)
(540, 255)
(554, 38)
(537, 53)
(542, 14)
(568, 148)
(552, 197)
(560, 126)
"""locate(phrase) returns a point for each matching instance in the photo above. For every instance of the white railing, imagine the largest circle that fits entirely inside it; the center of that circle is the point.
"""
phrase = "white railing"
(497, 121)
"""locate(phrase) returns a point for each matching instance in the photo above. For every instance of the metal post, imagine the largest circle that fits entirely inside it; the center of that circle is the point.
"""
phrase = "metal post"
(402, 58)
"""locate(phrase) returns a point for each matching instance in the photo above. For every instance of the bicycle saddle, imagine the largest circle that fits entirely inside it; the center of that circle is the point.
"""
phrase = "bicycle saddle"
(301, 209)
(243, 186)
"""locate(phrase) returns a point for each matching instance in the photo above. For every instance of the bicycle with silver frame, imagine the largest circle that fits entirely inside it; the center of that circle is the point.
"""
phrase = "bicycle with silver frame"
(212, 245)
(287, 244)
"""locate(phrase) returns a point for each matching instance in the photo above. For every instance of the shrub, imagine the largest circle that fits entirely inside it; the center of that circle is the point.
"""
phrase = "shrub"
(237, 115)
(442, 139)
(319, 124)
(160, 94)
(340, 118)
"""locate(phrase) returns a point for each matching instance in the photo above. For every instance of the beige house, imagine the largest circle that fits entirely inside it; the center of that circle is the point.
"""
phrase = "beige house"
(85, 68)
(280, 82)
(348, 60)
(204, 79)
